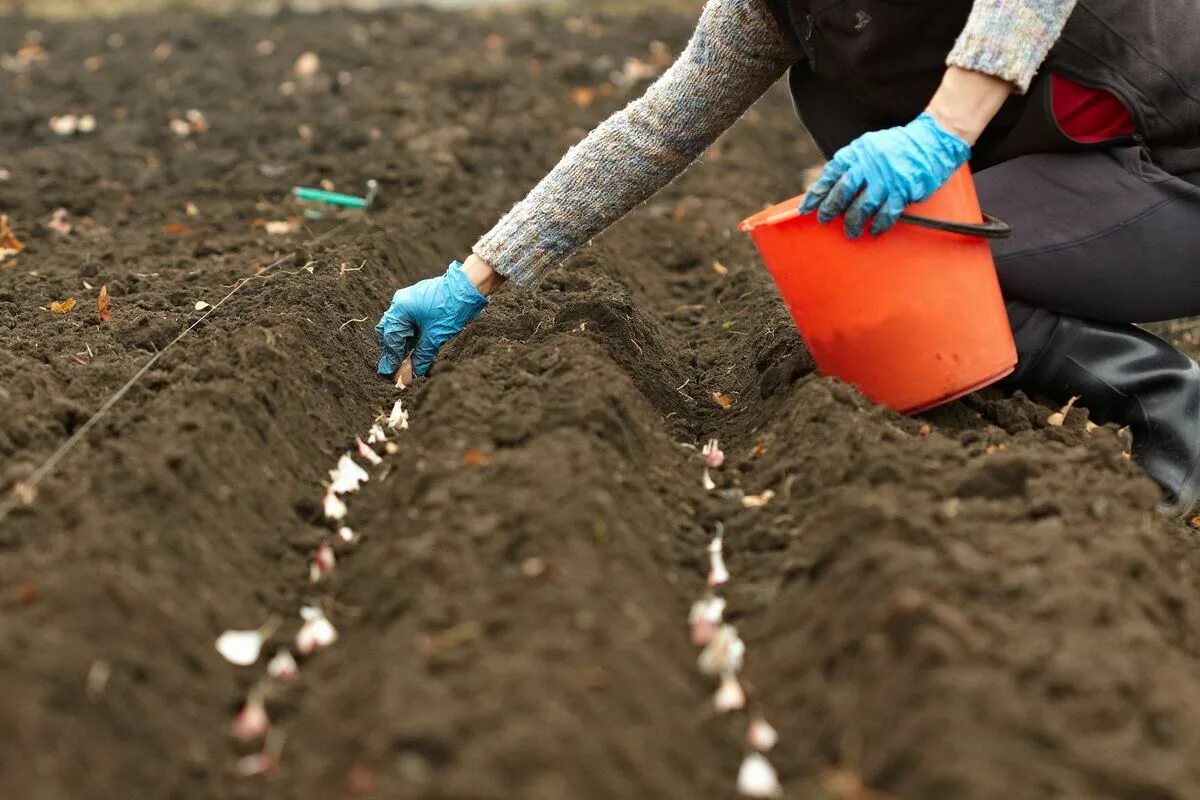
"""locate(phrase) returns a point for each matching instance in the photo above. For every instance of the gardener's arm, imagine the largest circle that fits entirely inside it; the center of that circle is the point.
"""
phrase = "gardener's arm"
(999, 51)
(735, 55)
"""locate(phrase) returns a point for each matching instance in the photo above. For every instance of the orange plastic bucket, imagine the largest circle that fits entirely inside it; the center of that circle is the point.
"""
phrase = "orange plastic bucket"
(913, 318)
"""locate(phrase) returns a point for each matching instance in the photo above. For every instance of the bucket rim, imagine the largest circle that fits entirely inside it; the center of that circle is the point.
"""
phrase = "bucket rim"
(774, 215)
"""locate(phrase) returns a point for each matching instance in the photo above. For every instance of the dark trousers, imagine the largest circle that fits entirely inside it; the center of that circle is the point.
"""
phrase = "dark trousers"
(1099, 234)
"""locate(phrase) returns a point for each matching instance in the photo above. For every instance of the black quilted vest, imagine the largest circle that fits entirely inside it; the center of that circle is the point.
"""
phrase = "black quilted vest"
(888, 57)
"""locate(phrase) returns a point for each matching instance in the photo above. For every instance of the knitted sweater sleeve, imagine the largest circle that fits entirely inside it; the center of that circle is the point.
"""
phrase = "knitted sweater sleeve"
(736, 53)
(1010, 38)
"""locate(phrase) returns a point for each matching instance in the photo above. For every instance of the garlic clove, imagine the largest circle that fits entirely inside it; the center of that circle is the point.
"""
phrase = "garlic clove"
(347, 477)
(283, 667)
(257, 764)
(365, 452)
(323, 563)
(761, 735)
(252, 721)
(757, 778)
(730, 695)
(725, 654)
(1058, 419)
(335, 509)
(240, 647)
(398, 419)
(713, 457)
(316, 633)
(717, 573)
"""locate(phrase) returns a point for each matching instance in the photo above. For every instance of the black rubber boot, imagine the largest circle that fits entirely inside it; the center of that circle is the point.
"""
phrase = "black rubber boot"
(1122, 375)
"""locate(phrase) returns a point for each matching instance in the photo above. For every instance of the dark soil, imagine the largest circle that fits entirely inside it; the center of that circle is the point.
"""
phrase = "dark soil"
(968, 606)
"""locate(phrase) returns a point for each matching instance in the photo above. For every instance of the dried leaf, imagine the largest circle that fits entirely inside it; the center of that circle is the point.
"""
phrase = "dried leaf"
(65, 125)
(197, 119)
(758, 500)
(102, 304)
(10, 245)
(282, 227)
(25, 493)
(583, 96)
(64, 307)
(307, 64)
(175, 229)
(474, 458)
(723, 400)
(27, 594)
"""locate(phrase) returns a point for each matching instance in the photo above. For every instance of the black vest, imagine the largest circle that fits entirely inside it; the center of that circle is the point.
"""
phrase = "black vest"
(889, 56)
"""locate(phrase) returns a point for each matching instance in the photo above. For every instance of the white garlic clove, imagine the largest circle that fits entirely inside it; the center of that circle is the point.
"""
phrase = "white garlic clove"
(757, 778)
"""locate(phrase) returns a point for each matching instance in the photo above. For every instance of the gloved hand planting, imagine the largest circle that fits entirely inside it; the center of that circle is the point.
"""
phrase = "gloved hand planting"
(879, 174)
(425, 316)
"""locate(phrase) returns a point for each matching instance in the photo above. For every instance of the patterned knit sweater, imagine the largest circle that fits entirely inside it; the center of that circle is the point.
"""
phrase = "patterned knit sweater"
(736, 53)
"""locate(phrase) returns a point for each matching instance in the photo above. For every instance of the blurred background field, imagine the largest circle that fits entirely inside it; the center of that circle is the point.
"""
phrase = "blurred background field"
(109, 8)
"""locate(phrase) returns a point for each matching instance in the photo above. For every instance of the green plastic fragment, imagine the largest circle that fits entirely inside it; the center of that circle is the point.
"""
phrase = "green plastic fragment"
(332, 198)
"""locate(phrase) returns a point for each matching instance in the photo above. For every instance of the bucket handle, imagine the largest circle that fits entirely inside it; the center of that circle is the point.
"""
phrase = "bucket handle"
(991, 228)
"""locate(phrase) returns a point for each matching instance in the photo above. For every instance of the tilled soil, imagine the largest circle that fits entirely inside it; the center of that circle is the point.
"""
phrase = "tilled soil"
(973, 604)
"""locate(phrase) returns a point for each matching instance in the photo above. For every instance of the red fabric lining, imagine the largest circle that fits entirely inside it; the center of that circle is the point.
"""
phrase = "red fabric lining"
(1088, 115)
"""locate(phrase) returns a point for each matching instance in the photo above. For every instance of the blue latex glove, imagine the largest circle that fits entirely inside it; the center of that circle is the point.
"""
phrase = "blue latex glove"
(424, 316)
(879, 174)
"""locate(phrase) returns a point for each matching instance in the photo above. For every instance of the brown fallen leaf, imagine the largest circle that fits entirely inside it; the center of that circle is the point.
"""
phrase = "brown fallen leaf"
(583, 96)
(64, 307)
(10, 245)
(475, 458)
(283, 227)
(25, 493)
(175, 229)
(27, 594)
(723, 400)
(102, 304)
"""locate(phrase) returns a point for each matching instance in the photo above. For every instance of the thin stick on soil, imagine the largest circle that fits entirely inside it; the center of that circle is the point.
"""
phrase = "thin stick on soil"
(28, 486)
